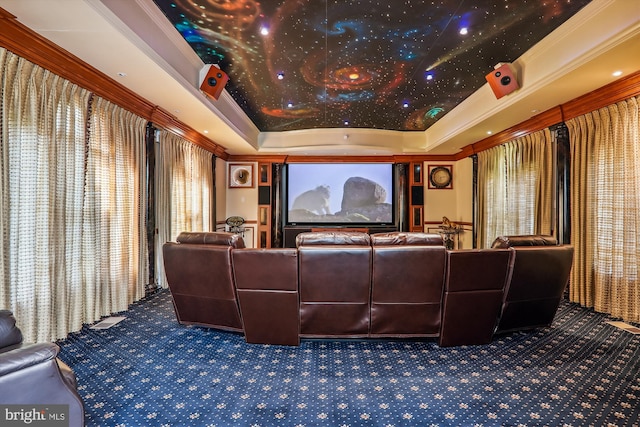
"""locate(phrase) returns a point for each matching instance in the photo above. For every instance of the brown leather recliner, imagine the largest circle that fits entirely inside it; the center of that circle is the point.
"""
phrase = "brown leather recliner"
(200, 277)
(474, 288)
(31, 374)
(407, 284)
(334, 284)
(267, 286)
(540, 275)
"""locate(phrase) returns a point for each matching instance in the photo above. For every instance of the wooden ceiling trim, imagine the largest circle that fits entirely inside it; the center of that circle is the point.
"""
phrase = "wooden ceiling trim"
(266, 158)
(612, 93)
(339, 159)
(617, 91)
(404, 158)
(41, 51)
(534, 124)
(161, 118)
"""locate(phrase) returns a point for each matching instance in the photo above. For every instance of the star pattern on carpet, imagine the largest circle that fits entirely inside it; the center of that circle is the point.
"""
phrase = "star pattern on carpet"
(149, 369)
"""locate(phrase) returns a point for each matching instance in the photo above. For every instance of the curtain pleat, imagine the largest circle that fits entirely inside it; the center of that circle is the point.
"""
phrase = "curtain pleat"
(184, 192)
(515, 188)
(72, 203)
(605, 209)
(114, 209)
(43, 132)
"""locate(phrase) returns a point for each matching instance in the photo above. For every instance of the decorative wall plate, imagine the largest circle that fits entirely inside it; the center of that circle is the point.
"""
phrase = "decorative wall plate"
(440, 176)
(240, 175)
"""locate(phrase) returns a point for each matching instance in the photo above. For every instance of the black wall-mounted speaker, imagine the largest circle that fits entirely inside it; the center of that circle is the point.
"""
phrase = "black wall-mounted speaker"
(264, 195)
(417, 194)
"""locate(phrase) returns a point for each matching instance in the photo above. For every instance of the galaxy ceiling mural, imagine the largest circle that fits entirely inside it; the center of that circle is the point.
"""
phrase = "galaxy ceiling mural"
(394, 64)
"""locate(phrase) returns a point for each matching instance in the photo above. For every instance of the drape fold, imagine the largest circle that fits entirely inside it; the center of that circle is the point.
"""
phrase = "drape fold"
(184, 192)
(605, 209)
(515, 188)
(71, 249)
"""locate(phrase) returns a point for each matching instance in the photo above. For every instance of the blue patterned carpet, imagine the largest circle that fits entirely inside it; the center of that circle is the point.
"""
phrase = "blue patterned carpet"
(150, 371)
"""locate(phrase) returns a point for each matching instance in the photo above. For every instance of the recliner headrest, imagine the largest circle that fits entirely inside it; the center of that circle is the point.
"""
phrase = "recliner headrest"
(211, 238)
(333, 238)
(502, 242)
(9, 333)
(406, 238)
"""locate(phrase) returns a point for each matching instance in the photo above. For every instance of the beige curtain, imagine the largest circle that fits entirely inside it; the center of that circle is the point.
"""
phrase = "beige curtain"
(61, 264)
(43, 154)
(515, 188)
(184, 192)
(114, 243)
(605, 209)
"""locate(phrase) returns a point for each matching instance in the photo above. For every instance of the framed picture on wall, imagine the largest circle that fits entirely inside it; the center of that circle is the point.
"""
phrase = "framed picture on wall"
(440, 177)
(240, 175)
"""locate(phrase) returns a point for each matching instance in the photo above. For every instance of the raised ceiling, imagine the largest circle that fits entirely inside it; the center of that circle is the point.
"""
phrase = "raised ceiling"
(134, 43)
(359, 64)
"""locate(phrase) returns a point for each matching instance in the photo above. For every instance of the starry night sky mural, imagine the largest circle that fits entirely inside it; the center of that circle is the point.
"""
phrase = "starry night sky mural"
(394, 64)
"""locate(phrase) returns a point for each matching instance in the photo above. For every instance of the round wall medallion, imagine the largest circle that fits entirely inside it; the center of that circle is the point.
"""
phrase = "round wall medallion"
(240, 176)
(440, 177)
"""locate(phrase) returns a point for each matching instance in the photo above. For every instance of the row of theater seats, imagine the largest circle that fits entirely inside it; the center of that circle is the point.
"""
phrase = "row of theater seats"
(355, 285)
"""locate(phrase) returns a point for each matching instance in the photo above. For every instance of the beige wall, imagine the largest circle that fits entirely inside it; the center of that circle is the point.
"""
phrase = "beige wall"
(221, 191)
(238, 201)
(455, 203)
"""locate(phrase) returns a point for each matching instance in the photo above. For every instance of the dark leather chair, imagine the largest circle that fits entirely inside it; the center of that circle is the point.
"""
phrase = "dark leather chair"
(200, 277)
(267, 285)
(540, 276)
(407, 284)
(474, 289)
(335, 284)
(31, 374)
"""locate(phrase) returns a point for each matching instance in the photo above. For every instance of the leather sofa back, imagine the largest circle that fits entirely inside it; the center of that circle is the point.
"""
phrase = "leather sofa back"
(267, 286)
(334, 284)
(200, 276)
(407, 283)
(474, 289)
(540, 276)
(356, 285)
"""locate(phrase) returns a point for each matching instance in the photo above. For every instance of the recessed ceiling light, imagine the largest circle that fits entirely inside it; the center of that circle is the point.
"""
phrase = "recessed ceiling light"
(489, 132)
(122, 74)
(617, 73)
(464, 31)
(280, 75)
(405, 104)
(206, 131)
(346, 122)
(264, 31)
(290, 104)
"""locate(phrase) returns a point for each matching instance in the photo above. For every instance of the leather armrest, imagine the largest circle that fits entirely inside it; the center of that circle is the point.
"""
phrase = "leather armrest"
(403, 238)
(504, 242)
(211, 238)
(25, 355)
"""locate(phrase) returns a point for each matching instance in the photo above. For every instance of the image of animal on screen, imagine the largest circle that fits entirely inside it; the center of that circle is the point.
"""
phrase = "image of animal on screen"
(340, 193)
